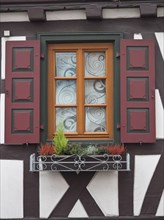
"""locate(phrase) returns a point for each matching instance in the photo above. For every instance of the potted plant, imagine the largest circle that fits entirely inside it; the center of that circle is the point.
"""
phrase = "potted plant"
(64, 156)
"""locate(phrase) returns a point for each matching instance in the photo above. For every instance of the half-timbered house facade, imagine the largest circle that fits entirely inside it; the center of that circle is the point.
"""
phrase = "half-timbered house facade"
(97, 66)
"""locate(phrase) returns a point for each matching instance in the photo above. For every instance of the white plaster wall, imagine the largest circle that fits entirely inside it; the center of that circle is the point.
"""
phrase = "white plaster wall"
(78, 211)
(104, 189)
(159, 107)
(11, 189)
(160, 40)
(160, 12)
(108, 13)
(160, 210)
(14, 17)
(121, 13)
(66, 15)
(159, 116)
(52, 187)
(138, 36)
(3, 73)
(145, 166)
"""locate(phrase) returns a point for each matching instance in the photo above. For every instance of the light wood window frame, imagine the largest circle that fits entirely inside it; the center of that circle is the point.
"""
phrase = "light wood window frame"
(80, 49)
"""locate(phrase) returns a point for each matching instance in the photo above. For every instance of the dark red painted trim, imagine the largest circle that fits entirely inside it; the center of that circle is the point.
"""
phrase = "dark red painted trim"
(23, 68)
(137, 65)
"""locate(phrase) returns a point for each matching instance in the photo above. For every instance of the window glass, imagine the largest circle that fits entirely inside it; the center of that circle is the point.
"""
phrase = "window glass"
(95, 64)
(95, 119)
(65, 92)
(65, 64)
(68, 117)
(80, 90)
(95, 92)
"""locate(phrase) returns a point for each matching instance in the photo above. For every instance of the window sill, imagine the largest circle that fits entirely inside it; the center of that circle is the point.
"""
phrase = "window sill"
(80, 163)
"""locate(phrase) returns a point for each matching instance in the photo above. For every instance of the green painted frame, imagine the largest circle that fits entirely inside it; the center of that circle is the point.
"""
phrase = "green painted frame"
(94, 37)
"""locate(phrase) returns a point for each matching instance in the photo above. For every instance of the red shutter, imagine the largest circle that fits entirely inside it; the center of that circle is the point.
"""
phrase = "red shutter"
(137, 91)
(22, 104)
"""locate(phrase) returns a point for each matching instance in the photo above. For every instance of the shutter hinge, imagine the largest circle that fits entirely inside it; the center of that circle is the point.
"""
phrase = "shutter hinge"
(140, 143)
(42, 55)
(117, 55)
(118, 126)
(2, 86)
(41, 127)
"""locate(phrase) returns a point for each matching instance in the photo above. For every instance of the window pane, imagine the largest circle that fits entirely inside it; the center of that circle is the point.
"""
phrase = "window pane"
(65, 92)
(66, 64)
(95, 92)
(95, 118)
(68, 117)
(95, 64)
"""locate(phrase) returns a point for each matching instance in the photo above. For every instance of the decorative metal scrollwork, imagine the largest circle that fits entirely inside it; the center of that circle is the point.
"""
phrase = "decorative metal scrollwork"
(80, 163)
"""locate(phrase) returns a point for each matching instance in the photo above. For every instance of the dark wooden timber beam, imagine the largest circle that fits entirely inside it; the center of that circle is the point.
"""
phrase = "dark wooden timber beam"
(94, 13)
(148, 10)
(36, 14)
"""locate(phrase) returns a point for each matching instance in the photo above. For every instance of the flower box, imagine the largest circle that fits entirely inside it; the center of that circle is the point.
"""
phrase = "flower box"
(79, 163)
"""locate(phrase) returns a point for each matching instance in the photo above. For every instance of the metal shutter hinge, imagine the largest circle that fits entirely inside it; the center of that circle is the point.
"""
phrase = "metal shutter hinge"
(118, 126)
(117, 55)
(42, 55)
(41, 127)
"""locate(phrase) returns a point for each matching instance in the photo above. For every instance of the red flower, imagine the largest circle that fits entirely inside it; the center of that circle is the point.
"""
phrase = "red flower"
(46, 149)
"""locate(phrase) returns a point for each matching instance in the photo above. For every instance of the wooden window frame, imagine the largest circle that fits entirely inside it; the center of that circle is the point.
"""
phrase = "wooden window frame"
(47, 38)
(80, 49)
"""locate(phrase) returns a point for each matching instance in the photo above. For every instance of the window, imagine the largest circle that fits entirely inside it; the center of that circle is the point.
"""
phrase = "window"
(123, 113)
(120, 95)
(80, 90)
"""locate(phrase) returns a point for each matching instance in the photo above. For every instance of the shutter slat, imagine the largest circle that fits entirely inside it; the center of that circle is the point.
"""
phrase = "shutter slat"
(137, 91)
(22, 103)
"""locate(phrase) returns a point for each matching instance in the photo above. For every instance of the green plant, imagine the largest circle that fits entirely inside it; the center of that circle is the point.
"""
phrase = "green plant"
(74, 148)
(79, 149)
(91, 150)
(60, 141)
(46, 149)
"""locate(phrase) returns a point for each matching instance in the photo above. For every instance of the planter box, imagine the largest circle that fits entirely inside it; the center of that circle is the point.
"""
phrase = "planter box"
(80, 163)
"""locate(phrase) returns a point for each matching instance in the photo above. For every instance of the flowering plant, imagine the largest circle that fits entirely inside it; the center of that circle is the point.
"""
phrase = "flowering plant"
(46, 149)
(115, 149)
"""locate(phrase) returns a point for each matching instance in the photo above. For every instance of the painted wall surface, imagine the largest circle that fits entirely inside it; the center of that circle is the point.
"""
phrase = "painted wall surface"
(92, 194)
